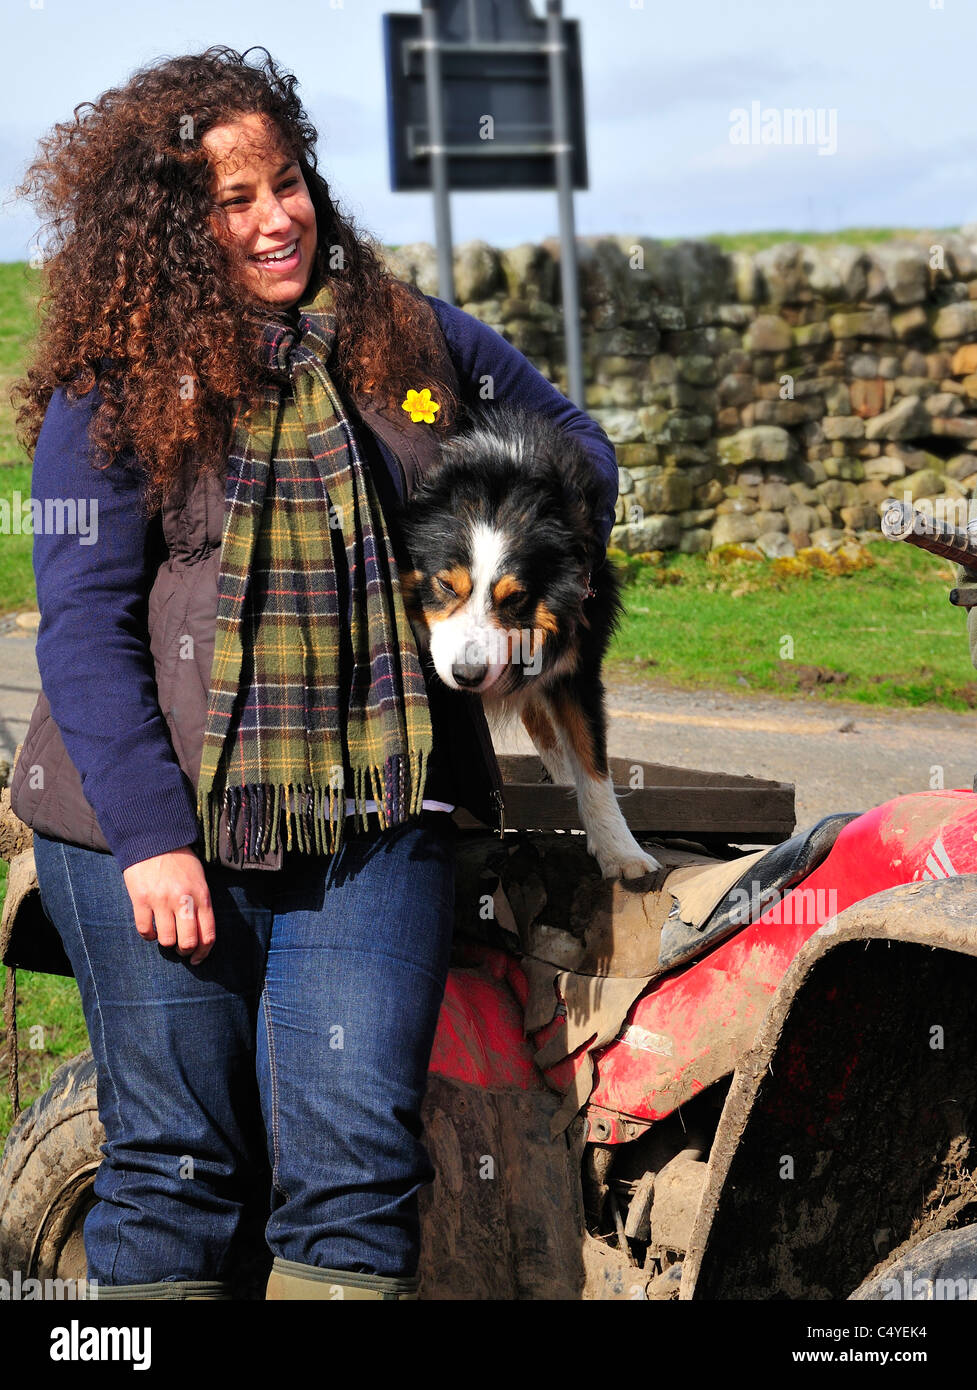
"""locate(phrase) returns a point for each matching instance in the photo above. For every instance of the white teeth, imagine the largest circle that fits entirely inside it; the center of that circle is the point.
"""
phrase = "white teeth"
(278, 255)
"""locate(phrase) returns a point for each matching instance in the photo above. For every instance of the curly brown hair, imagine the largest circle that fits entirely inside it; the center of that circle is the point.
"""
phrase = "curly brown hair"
(142, 290)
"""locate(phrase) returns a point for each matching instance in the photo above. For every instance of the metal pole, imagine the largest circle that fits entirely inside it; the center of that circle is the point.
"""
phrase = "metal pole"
(430, 29)
(564, 193)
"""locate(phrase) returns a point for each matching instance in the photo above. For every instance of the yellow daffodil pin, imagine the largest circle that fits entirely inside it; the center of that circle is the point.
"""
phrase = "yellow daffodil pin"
(420, 406)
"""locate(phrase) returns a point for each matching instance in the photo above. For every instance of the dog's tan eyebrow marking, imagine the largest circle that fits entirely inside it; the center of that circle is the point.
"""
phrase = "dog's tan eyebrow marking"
(505, 587)
(409, 580)
(459, 579)
(545, 618)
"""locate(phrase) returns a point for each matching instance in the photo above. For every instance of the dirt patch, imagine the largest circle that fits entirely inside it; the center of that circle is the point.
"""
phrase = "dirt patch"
(808, 678)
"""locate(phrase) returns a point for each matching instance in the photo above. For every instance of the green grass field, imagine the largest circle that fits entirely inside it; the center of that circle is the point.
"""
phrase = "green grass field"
(18, 300)
(16, 575)
(50, 1029)
(882, 635)
(18, 295)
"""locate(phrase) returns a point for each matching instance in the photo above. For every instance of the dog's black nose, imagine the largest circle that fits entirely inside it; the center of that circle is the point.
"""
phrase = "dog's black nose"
(469, 673)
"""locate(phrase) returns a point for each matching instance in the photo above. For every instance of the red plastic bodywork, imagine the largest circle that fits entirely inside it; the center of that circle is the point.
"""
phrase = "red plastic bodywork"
(688, 1028)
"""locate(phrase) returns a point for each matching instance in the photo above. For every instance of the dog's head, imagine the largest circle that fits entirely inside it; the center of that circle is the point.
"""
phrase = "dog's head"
(501, 534)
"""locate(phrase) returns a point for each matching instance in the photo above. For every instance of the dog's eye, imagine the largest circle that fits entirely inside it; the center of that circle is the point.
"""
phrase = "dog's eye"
(508, 595)
(443, 585)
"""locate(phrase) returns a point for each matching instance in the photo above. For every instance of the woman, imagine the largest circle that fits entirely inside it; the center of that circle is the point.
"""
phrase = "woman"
(230, 684)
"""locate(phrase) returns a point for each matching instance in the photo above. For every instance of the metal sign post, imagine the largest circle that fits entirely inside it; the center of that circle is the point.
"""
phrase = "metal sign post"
(437, 150)
(485, 95)
(564, 195)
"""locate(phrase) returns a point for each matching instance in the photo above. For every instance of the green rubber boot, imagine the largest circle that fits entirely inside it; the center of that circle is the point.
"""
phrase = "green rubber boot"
(291, 1280)
(164, 1290)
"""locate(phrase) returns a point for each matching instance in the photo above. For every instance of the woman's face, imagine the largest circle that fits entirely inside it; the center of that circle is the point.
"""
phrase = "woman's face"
(267, 206)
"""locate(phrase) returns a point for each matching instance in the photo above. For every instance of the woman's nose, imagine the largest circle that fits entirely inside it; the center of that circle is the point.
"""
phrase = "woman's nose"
(272, 216)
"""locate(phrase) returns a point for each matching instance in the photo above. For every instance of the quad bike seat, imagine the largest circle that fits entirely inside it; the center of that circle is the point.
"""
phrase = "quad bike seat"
(713, 901)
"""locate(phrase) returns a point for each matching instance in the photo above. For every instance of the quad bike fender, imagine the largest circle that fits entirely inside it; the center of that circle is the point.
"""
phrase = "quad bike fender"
(850, 1127)
(27, 937)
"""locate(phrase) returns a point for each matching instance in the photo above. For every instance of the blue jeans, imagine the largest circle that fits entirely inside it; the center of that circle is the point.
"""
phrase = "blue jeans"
(282, 1078)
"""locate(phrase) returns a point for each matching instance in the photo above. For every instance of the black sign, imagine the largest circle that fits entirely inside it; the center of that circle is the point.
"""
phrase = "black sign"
(496, 94)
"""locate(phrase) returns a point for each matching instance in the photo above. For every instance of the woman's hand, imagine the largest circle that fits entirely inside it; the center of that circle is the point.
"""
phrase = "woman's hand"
(172, 889)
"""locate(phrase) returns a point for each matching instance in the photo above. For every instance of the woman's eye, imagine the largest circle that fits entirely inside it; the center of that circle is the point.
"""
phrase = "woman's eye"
(237, 202)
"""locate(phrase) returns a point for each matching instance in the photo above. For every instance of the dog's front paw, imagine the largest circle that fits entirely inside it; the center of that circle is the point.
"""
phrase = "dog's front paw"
(625, 861)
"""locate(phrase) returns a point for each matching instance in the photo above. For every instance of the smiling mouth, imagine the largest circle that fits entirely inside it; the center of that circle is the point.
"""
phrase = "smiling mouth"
(276, 260)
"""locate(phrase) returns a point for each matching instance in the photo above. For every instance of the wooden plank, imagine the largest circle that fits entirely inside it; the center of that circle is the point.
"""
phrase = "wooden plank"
(528, 768)
(662, 775)
(746, 809)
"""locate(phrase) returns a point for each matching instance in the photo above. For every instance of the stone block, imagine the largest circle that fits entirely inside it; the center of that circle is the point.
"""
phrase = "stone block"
(761, 443)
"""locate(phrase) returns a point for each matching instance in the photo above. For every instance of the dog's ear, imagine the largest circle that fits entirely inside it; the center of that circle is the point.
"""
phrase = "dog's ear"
(469, 421)
(410, 582)
(583, 499)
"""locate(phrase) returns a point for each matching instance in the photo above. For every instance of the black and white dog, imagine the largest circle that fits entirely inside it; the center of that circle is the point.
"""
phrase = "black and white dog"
(512, 597)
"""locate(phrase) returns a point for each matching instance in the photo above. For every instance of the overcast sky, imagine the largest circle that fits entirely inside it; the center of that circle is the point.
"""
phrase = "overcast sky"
(893, 79)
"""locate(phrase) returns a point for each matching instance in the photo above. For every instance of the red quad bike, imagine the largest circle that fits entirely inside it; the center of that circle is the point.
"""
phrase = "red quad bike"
(748, 1077)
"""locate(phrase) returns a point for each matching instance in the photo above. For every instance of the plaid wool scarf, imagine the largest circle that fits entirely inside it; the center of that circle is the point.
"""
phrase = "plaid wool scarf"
(274, 733)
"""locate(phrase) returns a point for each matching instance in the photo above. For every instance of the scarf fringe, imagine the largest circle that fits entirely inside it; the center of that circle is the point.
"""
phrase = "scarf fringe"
(316, 815)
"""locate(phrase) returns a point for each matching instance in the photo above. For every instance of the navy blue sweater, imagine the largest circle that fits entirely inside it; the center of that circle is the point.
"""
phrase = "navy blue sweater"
(92, 643)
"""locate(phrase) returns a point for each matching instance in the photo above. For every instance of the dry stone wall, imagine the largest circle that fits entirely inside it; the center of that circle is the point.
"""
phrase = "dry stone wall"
(771, 399)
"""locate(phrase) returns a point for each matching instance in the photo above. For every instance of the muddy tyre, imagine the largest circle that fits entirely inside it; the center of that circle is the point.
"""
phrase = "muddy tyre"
(47, 1173)
(943, 1266)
